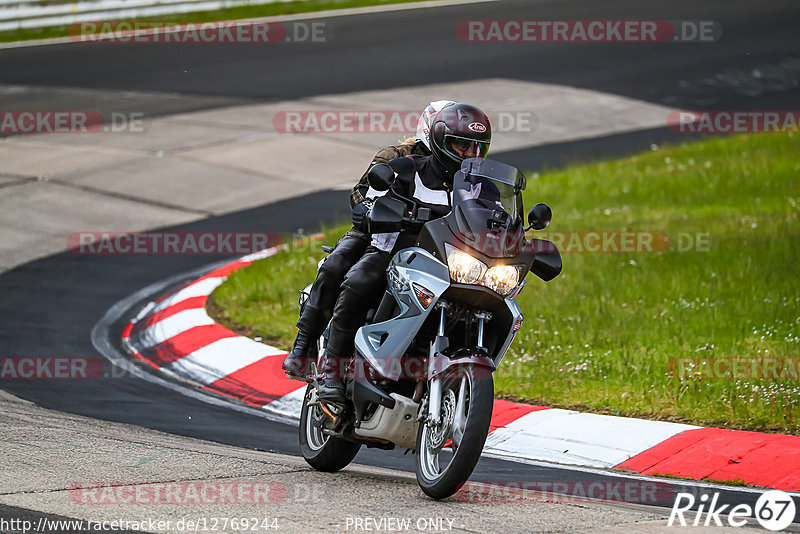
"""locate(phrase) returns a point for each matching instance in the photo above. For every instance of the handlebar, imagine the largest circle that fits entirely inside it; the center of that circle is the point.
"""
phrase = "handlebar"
(389, 214)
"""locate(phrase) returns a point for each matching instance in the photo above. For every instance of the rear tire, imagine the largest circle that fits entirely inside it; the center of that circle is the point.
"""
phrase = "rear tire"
(321, 451)
(441, 482)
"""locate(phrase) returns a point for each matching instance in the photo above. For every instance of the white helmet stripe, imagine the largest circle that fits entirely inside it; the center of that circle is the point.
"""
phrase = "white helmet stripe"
(423, 126)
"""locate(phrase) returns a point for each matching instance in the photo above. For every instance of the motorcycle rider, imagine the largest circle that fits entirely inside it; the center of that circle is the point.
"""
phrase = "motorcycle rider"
(457, 132)
(319, 307)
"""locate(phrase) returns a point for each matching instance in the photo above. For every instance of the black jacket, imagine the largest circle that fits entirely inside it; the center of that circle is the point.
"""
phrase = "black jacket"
(423, 179)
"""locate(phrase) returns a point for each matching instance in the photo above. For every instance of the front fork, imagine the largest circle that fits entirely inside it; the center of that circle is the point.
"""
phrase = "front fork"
(437, 347)
(435, 389)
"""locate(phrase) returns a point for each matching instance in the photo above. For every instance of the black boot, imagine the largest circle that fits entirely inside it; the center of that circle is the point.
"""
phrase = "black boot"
(298, 362)
(310, 326)
(331, 387)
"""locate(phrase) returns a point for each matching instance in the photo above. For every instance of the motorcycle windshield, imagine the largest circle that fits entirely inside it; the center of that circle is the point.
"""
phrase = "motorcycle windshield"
(487, 207)
(487, 185)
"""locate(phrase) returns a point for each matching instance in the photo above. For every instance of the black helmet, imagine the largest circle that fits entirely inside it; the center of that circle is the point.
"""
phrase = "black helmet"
(459, 131)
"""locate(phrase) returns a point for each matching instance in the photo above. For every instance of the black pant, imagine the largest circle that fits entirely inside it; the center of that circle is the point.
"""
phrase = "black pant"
(362, 289)
(319, 307)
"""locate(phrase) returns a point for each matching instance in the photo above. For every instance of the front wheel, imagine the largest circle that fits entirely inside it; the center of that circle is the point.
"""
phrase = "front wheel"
(448, 452)
(321, 451)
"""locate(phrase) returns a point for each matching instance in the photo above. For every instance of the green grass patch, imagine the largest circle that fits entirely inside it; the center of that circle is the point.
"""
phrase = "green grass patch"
(738, 482)
(735, 482)
(601, 336)
(231, 13)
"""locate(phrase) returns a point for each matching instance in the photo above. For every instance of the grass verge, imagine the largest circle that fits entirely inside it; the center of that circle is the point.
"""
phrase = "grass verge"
(232, 13)
(605, 336)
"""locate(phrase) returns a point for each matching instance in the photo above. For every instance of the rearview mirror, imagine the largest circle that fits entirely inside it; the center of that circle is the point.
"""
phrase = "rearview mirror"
(380, 177)
(539, 216)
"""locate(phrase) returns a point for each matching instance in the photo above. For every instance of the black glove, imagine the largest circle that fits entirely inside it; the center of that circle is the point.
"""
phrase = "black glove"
(361, 215)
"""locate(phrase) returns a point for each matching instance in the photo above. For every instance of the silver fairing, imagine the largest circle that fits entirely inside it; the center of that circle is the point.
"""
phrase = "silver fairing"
(384, 344)
(516, 313)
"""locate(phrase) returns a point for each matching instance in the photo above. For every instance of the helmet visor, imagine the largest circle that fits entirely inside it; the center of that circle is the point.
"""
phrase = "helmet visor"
(463, 147)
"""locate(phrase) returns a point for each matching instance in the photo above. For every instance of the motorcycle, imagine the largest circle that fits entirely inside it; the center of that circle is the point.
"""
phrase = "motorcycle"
(421, 374)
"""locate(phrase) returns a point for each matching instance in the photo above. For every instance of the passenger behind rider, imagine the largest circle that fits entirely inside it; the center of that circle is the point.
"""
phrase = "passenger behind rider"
(457, 132)
(319, 307)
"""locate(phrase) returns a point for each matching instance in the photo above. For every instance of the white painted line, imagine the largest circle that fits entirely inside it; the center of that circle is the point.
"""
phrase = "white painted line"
(37, 13)
(563, 436)
(220, 359)
(171, 327)
(101, 340)
(261, 254)
(289, 405)
(203, 288)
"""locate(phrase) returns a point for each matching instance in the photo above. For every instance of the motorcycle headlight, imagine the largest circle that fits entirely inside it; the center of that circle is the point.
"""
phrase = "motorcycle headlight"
(464, 269)
(501, 278)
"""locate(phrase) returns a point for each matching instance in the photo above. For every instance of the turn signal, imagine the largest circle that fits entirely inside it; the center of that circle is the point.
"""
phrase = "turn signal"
(424, 297)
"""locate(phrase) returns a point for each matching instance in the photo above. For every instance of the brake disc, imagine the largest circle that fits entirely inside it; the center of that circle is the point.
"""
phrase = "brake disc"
(439, 434)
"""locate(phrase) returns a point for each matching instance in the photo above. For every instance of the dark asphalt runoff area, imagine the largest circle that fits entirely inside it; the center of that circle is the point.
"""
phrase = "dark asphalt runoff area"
(49, 306)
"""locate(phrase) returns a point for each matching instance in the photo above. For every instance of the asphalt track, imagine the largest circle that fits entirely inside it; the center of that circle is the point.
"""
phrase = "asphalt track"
(417, 47)
(50, 306)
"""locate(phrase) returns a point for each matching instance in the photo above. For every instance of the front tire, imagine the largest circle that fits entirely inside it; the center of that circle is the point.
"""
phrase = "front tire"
(465, 432)
(321, 451)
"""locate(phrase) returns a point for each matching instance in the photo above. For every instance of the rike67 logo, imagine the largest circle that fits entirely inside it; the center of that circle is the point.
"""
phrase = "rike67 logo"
(774, 510)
